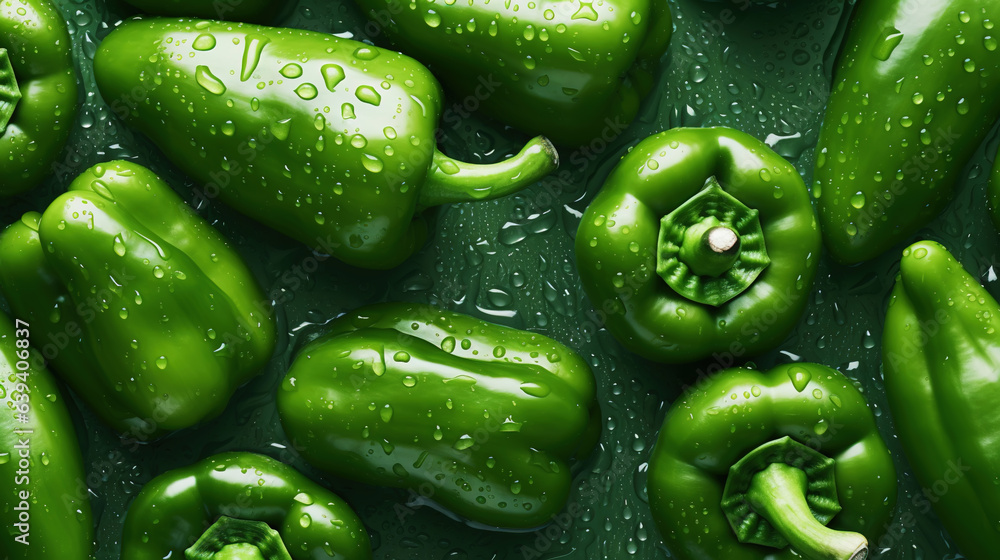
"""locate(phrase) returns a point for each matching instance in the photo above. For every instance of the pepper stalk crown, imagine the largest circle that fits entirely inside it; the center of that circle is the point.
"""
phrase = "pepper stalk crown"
(711, 248)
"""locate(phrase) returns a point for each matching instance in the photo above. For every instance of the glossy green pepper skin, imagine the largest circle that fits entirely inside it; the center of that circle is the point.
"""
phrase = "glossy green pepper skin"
(327, 140)
(568, 70)
(232, 10)
(732, 415)
(993, 193)
(36, 121)
(174, 509)
(912, 100)
(620, 244)
(49, 489)
(480, 419)
(138, 303)
(941, 361)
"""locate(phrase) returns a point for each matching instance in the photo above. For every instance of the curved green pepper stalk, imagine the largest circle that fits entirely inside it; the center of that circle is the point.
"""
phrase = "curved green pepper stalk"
(450, 180)
(238, 539)
(711, 248)
(784, 494)
(778, 495)
(10, 94)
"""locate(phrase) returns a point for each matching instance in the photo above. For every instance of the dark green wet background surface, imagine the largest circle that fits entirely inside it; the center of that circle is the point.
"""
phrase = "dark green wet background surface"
(761, 69)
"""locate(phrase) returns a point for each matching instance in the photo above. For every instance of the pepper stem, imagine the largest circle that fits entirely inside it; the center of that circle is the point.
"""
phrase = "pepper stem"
(451, 180)
(710, 247)
(778, 494)
(10, 93)
(238, 539)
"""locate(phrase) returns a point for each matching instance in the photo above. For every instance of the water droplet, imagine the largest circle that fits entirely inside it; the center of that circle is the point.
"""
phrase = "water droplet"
(291, 71)
(886, 43)
(204, 42)
(303, 498)
(306, 91)
(119, 246)
(333, 74)
(464, 442)
(368, 95)
(535, 389)
(799, 377)
(280, 129)
(585, 11)
(366, 53)
(421, 458)
(208, 81)
(254, 46)
(821, 427)
(372, 163)
(962, 106)
(347, 112)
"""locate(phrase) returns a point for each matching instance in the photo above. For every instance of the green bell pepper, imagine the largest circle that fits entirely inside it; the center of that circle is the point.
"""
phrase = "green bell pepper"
(46, 513)
(912, 100)
(234, 10)
(476, 418)
(38, 97)
(993, 193)
(327, 140)
(571, 71)
(241, 506)
(139, 304)
(702, 241)
(941, 361)
(771, 465)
